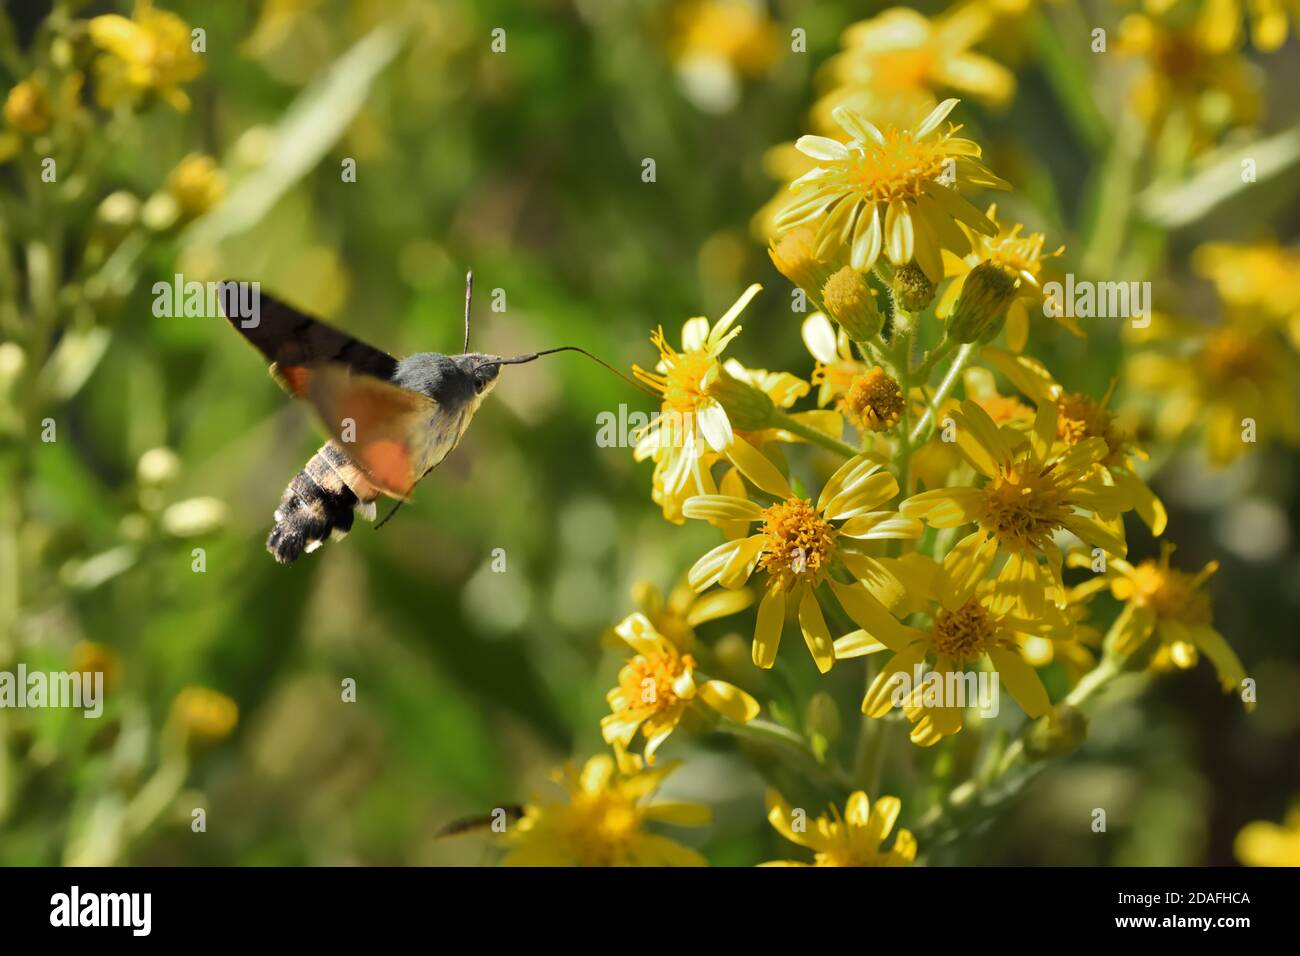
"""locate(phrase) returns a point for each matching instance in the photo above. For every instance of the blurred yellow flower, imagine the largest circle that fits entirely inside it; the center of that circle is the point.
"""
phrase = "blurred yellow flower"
(1023, 257)
(197, 184)
(798, 545)
(1201, 89)
(1029, 490)
(854, 839)
(1261, 277)
(1263, 843)
(1169, 604)
(893, 64)
(27, 107)
(602, 821)
(692, 430)
(657, 685)
(1218, 23)
(1238, 382)
(150, 53)
(203, 716)
(974, 624)
(716, 43)
(891, 192)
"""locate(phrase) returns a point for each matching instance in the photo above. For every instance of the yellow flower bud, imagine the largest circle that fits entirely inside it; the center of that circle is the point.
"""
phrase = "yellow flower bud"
(985, 295)
(27, 108)
(795, 258)
(203, 716)
(1059, 733)
(849, 300)
(912, 287)
(197, 184)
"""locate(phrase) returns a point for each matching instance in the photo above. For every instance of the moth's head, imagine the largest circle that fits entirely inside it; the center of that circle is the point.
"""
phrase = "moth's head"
(483, 370)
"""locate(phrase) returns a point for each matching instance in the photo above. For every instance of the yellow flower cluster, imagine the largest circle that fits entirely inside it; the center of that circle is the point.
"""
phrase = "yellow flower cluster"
(931, 496)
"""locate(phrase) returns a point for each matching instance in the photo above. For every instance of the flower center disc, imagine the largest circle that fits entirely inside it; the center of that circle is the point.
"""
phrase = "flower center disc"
(800, 543)
(1023, 505)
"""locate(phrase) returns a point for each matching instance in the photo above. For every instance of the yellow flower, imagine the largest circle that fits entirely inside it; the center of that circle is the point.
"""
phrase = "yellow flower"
(657, 685)
(1218, 23)
(795, 256)
(203, 716)
(1262, 278)
(797, 545)
(1027, 491)
(836, 366)
(27, 108)
(934, 462)
(692, 429)
(1023, 257)
(892, 192)
(1268, 844)
(602, 820)
(677, 616)
(1187, 81)
(197, 184)
(898, 60)
(1080, 417)
(854, 839)
(1168, 603)
(973, 623)
(1236, 379)
(716, 43)
(151, 53)
(874, 401)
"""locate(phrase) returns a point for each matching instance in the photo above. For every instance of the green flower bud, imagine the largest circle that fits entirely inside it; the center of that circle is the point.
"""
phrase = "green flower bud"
(913, 289)
(849, 301)
(822, 717)
(748, 408)
(1059, 733)
(985, 295)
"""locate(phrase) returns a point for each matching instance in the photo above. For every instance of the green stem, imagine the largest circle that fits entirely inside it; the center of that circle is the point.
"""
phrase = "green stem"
(784, 740)
(813, 436)
(923, 428)
(1068, 76)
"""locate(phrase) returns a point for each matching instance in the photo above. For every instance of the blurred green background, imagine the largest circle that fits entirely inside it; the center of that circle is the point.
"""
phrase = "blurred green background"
(525, 166)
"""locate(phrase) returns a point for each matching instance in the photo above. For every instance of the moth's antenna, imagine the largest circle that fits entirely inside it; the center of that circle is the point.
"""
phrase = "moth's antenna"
(469, 294)
(521, 359)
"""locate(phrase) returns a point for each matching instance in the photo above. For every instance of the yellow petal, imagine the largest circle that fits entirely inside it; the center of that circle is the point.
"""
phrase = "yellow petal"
(729, 700)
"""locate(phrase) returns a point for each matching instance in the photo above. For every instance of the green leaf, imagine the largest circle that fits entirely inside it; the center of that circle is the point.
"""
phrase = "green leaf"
(1220, 180)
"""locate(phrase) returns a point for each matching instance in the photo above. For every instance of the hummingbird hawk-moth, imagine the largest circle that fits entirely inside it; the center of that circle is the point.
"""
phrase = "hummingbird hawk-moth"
(391, 421)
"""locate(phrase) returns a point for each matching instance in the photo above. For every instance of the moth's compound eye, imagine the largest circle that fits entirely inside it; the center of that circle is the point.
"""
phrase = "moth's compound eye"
(484, 376)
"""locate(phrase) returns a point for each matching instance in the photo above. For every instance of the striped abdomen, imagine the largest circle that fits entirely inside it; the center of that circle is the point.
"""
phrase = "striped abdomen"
(319, 504)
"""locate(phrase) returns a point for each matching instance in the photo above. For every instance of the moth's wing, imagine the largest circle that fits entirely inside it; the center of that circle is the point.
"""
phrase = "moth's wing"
(383, 429)
(294, 343)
